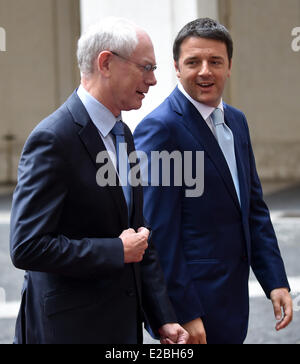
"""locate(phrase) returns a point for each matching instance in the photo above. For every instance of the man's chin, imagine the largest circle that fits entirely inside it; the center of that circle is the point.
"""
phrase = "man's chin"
(209, 101)
(136, 106)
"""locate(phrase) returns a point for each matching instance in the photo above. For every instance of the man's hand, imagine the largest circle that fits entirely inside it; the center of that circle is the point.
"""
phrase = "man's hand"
(173, 334)
(196, 331)
(135, 244)
(281, 299)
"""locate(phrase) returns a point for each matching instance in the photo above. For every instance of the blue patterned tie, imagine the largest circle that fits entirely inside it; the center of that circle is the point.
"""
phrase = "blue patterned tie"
(123, 165)
(226, 142)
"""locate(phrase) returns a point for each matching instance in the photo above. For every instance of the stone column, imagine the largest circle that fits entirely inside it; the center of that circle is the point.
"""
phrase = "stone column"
(37, 71)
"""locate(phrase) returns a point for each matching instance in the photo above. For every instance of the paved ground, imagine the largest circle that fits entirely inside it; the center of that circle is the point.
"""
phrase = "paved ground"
(285, 207)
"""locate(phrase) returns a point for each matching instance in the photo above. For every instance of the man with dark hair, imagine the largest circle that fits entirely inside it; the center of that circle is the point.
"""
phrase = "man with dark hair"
(207, 244)
(204, 28)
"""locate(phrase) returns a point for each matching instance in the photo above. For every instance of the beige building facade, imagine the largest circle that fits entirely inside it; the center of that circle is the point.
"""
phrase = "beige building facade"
(38, 67)
(37, 70)
(265, 82)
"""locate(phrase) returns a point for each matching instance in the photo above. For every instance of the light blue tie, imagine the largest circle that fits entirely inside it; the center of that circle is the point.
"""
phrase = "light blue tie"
(123, 165)
(226, 142)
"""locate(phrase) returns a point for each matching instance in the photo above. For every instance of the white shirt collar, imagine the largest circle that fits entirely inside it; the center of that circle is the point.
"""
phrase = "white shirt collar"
(203, 109)
(99, 114)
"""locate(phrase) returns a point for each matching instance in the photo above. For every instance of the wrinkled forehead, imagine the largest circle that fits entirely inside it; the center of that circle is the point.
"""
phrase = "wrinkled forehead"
(145, 49)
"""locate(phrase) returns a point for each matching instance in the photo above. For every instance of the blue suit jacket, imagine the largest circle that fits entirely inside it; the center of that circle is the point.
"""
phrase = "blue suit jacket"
(65, 233)
(207, 244)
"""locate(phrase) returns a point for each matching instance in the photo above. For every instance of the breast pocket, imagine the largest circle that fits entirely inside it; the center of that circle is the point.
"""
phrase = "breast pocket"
(70, 317)
(67, 301)
(207, 269)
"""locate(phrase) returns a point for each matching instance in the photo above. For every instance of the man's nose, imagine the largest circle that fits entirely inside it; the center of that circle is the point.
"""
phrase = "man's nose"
(205, 69)
(151, 79)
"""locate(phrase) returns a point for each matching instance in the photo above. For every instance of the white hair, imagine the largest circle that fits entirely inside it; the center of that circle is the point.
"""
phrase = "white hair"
(111, 34)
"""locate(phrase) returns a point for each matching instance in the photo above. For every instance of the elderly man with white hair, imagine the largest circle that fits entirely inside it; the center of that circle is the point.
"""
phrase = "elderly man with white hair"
(92, 274)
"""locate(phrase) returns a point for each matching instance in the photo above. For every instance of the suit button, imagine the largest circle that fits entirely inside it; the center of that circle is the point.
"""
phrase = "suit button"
(244, 258)
(130, 292)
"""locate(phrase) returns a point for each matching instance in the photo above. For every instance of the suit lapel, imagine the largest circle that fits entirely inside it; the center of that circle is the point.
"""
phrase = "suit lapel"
(89, 135)
(92, 141)
(201, 131)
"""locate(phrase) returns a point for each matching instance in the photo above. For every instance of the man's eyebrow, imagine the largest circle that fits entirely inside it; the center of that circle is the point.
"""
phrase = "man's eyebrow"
(192, 58)
(148, 61)
(197, 58)
(218, 57)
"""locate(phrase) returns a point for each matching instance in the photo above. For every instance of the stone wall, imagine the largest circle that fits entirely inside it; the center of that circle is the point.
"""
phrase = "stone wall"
(265, 82)
(37, 71)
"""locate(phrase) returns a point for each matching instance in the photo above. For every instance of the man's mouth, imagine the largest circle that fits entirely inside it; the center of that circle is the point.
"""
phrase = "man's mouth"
(142, 94)
(205, 84)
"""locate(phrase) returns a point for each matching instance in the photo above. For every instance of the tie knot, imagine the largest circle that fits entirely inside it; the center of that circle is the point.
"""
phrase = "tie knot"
(118, 129)
(218, 117)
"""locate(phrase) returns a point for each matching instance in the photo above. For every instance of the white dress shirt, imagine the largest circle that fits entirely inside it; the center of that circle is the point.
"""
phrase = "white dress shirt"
(204, 110)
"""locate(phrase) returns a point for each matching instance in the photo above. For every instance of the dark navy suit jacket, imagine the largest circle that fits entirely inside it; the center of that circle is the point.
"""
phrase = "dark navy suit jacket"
(65, 233)
(207, 244)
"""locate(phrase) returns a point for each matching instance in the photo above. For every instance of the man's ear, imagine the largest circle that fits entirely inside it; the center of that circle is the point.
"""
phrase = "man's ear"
(178, 73)
(104, 63)
(230, 68)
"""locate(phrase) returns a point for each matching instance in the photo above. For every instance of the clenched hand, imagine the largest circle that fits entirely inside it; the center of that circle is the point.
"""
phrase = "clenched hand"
(172, 334)
(135, 244)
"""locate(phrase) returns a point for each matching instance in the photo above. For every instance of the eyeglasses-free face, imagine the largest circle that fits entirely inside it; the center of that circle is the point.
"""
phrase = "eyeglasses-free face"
(203, 69)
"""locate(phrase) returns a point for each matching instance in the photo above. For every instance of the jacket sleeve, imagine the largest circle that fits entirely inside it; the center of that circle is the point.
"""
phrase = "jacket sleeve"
(157, 307)
(163, 209)
(267, 262)
(156, 304)
(38, 202)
